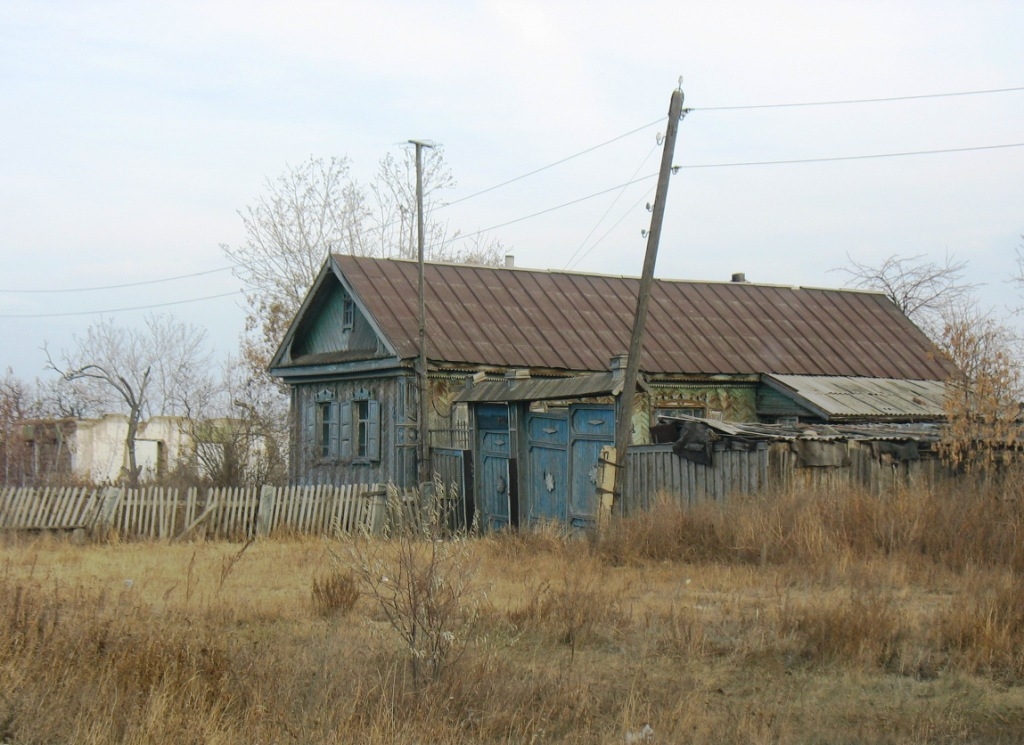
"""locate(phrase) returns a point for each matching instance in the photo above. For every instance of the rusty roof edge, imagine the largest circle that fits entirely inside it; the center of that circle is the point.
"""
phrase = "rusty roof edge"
(667, 280)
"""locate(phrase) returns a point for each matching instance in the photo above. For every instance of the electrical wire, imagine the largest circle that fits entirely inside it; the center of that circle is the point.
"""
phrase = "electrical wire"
(549, 209)
(853, 100)
(874, 156)
(610, 207)
(121, 310)
(117, 287)
(622, 186)
(732, 108)
(550, 165)
(608, 232)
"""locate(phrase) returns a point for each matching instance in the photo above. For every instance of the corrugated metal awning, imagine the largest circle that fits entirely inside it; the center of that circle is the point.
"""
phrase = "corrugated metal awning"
(542, 389)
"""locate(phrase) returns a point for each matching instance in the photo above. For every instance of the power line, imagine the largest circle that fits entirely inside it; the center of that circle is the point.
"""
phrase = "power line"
(732, 108)
(611, 206)
(552, 209)
(874, 156)
(551, 165)
(595, 244)
(854, 100)
(117, 287)
(121, 310)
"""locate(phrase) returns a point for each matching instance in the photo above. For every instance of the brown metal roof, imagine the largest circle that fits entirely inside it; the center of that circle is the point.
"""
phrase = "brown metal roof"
(570, 321)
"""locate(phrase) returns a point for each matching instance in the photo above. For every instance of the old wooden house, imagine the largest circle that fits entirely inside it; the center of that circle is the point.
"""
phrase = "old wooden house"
(531, 361)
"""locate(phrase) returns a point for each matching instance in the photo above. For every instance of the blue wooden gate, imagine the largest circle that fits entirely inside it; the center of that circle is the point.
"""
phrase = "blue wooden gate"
(562, 456)
(547, 457)
(592, 427)
(494, 448)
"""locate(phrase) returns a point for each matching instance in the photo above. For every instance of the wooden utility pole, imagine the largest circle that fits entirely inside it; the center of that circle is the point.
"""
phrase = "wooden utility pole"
(423, 431)
(624, 424)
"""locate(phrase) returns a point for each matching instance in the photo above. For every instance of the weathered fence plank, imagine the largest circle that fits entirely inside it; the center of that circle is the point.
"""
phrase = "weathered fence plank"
(158, 513)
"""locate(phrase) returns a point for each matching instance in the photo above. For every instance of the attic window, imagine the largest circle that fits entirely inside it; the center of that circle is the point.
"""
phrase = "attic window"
(348, 314)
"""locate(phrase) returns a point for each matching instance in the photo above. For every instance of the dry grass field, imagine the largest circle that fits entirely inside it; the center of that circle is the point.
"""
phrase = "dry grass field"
(807, 618)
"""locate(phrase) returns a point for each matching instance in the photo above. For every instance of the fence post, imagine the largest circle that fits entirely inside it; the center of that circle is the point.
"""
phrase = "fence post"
(378, 509)
(265, 511)
(108, 506)
(606, 486)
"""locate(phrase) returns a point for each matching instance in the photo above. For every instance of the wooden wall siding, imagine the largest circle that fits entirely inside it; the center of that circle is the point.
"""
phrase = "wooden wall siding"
(654, 472)
(397, 462)
(736, 402)
(326, 331)
(877, 475)
(772, 403)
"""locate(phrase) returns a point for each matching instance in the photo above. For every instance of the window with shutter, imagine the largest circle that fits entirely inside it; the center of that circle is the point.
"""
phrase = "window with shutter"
(328, 435)
(345, 423)
(360, 430)
(373, 430)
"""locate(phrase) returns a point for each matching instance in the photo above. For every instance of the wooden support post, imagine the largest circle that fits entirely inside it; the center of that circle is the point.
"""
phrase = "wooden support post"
(423, 433)
(624, 424)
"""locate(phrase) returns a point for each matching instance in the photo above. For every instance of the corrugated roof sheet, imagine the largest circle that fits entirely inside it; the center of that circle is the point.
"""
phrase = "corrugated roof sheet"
(869, 398)
(542, 389)
(878, 432)
(578, 322)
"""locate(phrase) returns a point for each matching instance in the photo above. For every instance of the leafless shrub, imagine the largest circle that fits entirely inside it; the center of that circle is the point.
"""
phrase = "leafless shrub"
(423, 585)
(335, 593)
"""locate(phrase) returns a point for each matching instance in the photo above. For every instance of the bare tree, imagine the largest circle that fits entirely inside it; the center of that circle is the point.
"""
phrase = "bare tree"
(983, 398)
(394, 192)
(316, 209)
(926, 291)
(238, 429)
(16, 404)
(1018, 277)
(138, 371)
(308, 211)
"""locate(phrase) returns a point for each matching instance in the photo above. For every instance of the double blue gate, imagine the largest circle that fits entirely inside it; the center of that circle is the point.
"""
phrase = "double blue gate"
(560, 465)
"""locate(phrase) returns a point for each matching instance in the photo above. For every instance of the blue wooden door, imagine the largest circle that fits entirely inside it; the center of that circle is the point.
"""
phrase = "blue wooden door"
(547, 466)
(591, 428)
(494, 447)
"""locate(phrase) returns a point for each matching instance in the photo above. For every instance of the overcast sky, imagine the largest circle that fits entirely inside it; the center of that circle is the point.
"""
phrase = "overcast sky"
(134, 132)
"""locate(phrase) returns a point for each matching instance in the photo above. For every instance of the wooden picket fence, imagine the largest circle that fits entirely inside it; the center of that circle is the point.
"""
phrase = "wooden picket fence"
(169, 514)
(42, 509)
(324, 509)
